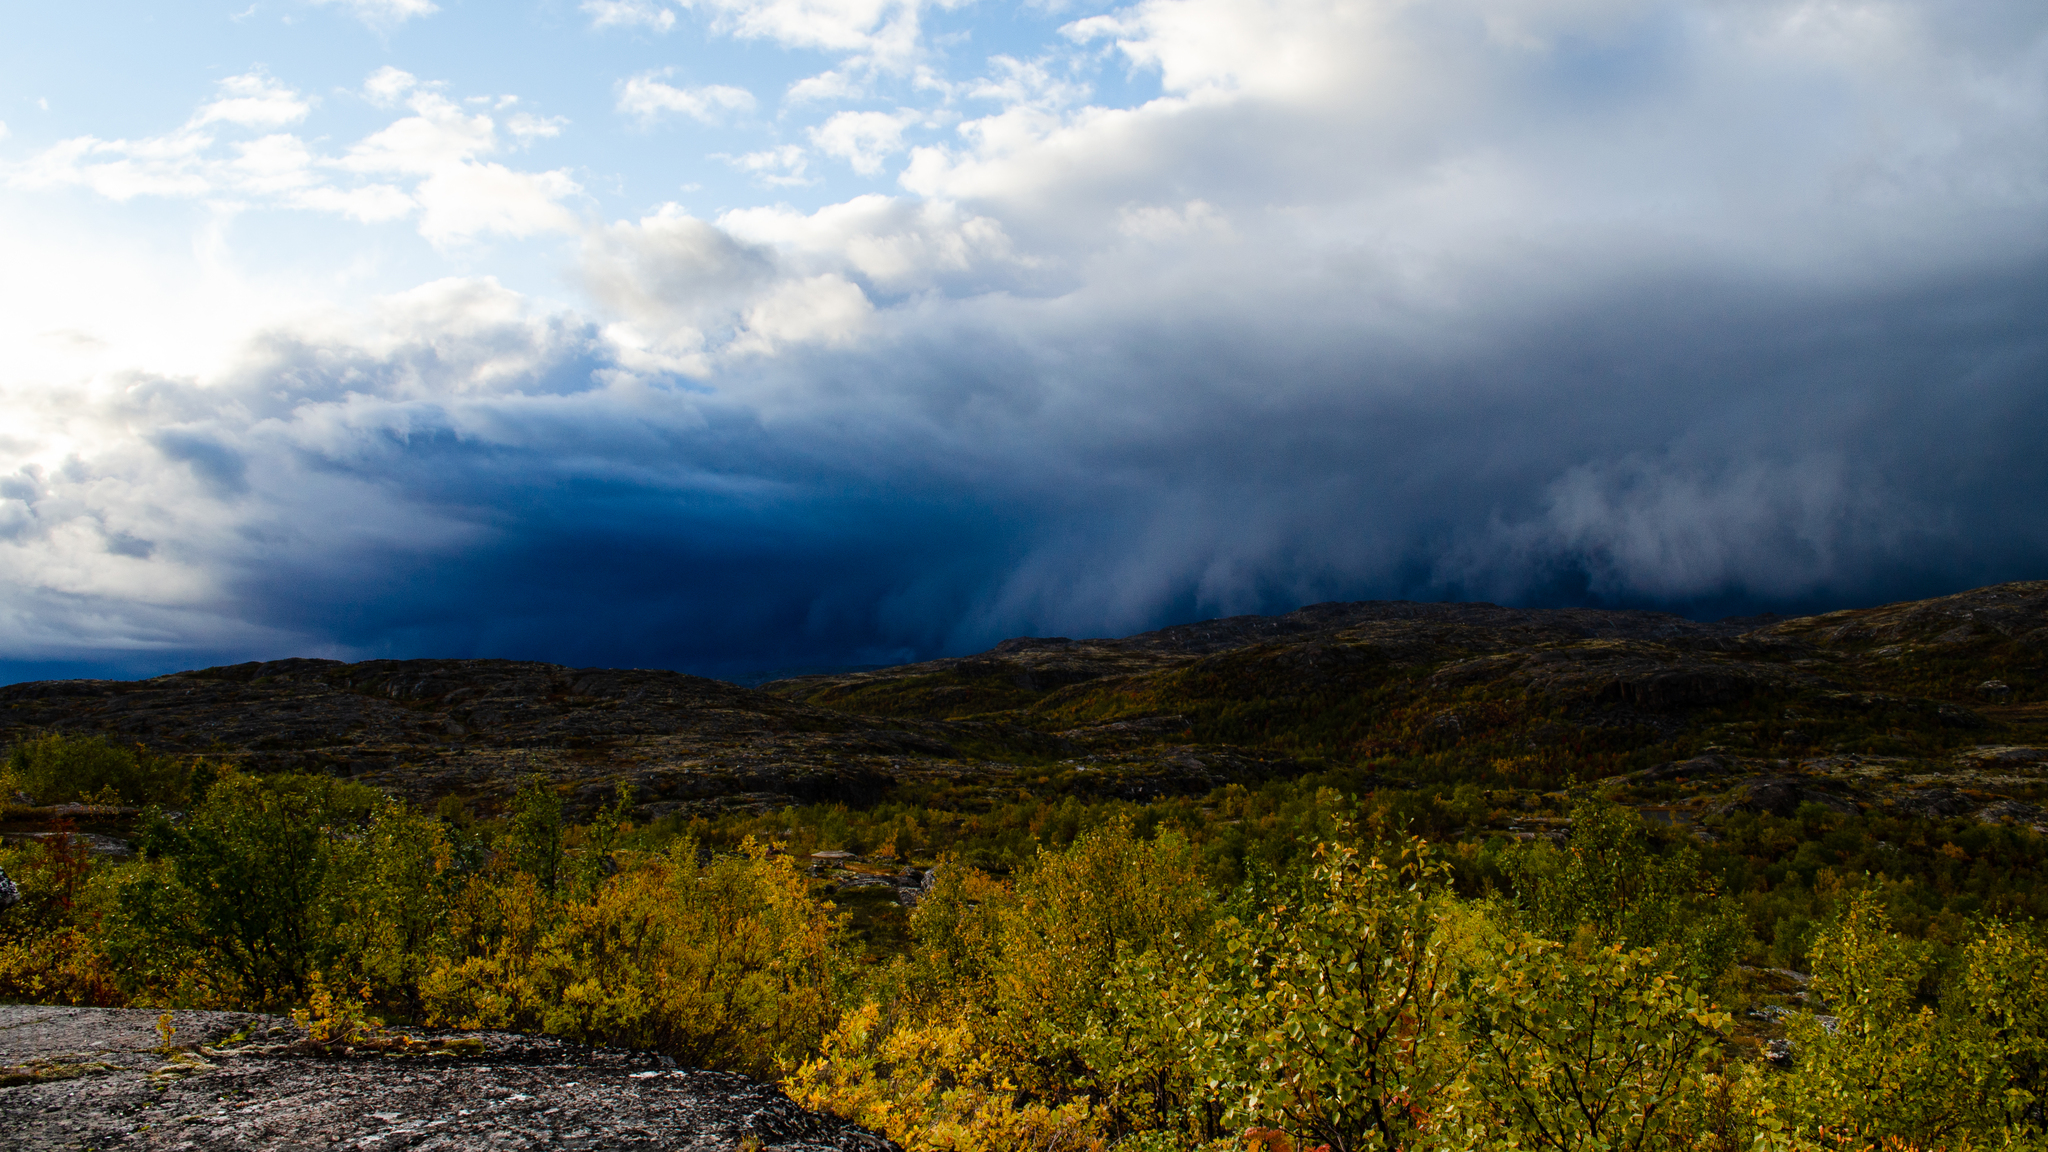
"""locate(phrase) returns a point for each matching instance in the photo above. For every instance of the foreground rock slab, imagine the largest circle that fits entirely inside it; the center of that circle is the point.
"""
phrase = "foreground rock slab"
(87, 1078)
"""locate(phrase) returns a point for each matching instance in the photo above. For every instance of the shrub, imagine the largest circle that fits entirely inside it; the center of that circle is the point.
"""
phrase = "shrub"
(50, 939)
(537, 832)
(253, 863)
(731, 965)
(1606, 879)
(1330, 1017)
(386, 893)
(54, 768)
(61, 967)
(1080, 916)
(1886, 1067)
(933, 1088)
(2001, 989)
(1581, 1049)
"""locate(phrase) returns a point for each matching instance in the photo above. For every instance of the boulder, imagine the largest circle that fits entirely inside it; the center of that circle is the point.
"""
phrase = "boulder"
(2012, 812)
(1685, 769)
(1782, 796)
(1933, 803)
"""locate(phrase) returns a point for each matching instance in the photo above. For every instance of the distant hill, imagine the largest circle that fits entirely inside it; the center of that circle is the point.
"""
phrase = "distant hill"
(1946, 693)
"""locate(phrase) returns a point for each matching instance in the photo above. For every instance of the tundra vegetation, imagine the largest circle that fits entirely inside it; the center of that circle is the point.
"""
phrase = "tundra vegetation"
(1301, 965)
(1365, 876)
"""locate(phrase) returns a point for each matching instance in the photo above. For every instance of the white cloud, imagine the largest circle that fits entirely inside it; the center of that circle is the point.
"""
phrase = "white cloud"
(119, 170)
(671, 279)
(1160, 224)
(386, 13)
(629, 13)
(1019, 82)
(441, 150)
(368, 203)
(526, 127)
(883, 34)
(781, 166)
(253, 100)
(825, 309)
(184, 161)
(863, 139)
(387, 86)
(1663, 525)
(463, 201)
(761, 280)
(438, 134)
(274, 165)
(896, 244)
(1362, 273)
(126, 511)
(648, 98)
(825, 86)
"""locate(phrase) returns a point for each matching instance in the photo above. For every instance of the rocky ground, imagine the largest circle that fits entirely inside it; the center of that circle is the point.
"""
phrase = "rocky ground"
(86, 1078)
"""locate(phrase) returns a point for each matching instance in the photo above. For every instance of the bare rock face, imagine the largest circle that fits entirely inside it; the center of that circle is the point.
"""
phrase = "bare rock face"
(89, 1078)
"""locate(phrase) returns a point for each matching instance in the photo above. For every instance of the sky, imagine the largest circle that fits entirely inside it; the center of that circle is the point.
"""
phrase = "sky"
(743, 336)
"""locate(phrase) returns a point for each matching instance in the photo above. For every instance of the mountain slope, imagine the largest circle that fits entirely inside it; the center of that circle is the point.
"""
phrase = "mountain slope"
(1419, 694)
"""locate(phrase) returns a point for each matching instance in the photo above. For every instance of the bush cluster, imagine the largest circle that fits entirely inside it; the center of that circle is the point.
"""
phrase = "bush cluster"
(1306, 974)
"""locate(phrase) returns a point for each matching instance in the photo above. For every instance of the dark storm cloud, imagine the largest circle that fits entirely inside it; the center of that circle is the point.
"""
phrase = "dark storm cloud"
(1714, 308)
(1707, 447)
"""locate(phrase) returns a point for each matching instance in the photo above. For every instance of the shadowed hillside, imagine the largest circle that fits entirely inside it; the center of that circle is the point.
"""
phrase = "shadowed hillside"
(1403, 693)
(1440, 693)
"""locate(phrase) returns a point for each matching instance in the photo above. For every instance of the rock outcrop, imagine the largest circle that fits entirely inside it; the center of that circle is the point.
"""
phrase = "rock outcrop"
(87, 1078)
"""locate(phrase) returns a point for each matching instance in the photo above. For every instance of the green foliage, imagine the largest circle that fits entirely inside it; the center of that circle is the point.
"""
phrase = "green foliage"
(1329, 1016)
(1076, 978)
(148, 936)
(2001, 989)
(1934, 875)
(48, 951)
(536, 832)
(1581, 1049)
(1065, 1026)
(932, 1088)
(386, 896)
(255, 858)
(1888, 1066)
(1607, 880)
(54, 769)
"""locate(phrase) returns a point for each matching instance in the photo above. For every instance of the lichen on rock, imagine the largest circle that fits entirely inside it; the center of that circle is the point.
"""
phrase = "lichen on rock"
(75, 1078)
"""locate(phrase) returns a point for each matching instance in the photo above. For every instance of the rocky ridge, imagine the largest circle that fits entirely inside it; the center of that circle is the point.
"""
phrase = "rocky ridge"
(1429, 688)
(423, 729)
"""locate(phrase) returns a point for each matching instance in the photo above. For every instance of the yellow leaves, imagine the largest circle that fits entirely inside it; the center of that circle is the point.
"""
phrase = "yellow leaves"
(932, 1089)
(1587, 1045)
(61, 967)
(335, 1016)
(728, 966)
(1891, 1068)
